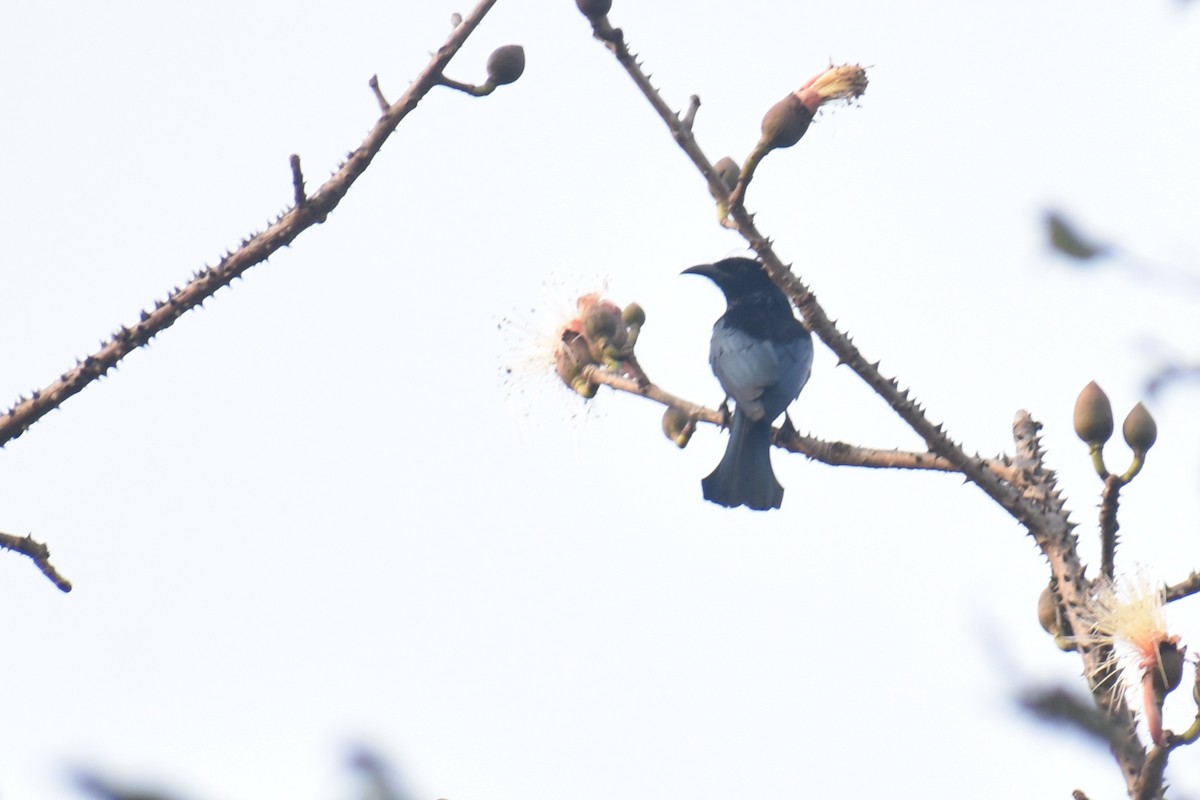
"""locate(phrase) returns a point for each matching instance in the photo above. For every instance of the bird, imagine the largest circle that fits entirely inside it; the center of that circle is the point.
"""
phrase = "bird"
(762, 356)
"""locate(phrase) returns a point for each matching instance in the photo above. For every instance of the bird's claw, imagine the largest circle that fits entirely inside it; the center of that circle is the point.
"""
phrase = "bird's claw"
(787, 430)
(726, 416)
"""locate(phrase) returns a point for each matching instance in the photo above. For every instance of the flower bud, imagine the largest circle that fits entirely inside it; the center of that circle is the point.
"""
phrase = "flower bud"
(599, 323)
(594, 9)
(784, 123)
(727, 170)
(1168, 672)
(1066, 239)
(1139, 429)
(1093, 415)
(585, 388)
(1048, 612)
(604, 328)
(505, 64)
(634, 315)
(678, 426)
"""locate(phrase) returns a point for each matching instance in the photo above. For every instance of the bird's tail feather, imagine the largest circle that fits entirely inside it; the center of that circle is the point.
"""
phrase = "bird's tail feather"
(744, 476)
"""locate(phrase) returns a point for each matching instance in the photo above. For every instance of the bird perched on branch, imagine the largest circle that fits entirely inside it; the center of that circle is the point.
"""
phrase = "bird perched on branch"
(762, 356)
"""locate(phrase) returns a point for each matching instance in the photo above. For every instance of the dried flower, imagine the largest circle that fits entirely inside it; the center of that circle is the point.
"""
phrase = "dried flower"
(846, 82)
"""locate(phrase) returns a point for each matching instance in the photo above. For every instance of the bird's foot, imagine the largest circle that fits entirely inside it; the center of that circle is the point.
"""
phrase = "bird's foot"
(726, 416)
(787, 430)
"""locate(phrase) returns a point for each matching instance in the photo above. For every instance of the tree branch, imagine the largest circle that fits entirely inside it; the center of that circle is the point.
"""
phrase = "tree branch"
(39, 553)
(1149, 783)
(1185, 588)
(1110, 500)
(253, 250)
(827, 452)
(1055, 536)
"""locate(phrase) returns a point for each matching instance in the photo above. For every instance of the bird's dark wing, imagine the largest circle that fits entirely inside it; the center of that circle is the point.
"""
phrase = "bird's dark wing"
(745, 366)
(795, 365)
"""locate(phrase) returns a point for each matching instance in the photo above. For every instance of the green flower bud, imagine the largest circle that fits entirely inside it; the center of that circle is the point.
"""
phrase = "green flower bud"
(585, 388)
(727, 170)
(634, 315)
(594, 9)
(505, 64)
(1093, 415)
(678, 426)
(1139, 429)
(599, 323)
(605, 330)
(1048, 612)
(1051, 622)
(1066, 239)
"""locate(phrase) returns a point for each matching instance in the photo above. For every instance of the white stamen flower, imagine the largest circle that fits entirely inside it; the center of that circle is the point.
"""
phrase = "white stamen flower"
(1146, 660)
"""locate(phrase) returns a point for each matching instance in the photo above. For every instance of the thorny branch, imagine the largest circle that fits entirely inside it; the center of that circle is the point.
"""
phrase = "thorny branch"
(313, 209)
(307, 211)
(827, 452)
(1110, 500)
(1185, 588)
(1029, 494)
(39, 553)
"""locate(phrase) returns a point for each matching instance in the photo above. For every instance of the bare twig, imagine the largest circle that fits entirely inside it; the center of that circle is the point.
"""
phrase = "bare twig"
(827, 452)
(468, 88)
(1185, 588)
(298, 195)
(374, 84)
(689, 116)
(39, 553)
(253, 250)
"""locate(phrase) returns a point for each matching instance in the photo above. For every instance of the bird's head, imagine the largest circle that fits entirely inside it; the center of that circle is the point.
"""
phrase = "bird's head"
(735, 276)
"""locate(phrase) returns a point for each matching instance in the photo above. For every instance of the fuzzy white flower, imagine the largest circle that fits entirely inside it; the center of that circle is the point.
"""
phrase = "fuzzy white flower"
(1146, 661)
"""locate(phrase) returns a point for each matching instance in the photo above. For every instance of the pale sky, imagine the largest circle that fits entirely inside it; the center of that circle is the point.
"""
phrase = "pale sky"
(319, 512)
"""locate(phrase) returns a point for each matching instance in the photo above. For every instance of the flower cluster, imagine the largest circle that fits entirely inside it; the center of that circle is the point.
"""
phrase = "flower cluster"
(600, 333)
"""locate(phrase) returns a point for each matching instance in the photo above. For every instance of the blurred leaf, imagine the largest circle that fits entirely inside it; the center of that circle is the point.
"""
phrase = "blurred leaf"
(1060, 706)
(1066, 239)
(1172, 373)
(379, 779)
(103, 789)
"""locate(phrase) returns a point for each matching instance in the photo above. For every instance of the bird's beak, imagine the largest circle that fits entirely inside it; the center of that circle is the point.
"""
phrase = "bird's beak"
(707, 270)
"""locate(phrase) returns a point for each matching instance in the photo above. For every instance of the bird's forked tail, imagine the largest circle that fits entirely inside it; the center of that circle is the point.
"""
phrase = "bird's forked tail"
(744, 476)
